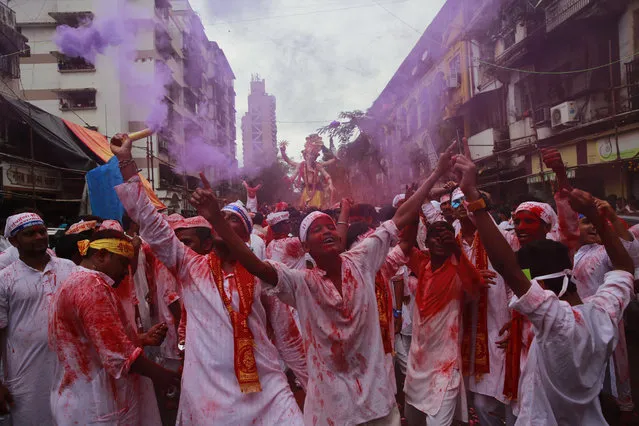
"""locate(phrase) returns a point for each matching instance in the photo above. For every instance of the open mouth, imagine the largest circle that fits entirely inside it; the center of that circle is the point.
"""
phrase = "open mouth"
(328, 241)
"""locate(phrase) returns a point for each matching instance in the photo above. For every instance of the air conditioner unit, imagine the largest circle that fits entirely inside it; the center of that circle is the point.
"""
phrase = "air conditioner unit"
(564, 114)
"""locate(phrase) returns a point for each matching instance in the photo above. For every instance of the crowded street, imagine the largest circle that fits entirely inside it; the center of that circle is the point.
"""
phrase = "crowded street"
(276, 212)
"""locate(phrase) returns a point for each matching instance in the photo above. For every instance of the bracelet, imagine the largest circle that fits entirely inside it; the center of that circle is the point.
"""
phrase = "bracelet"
(342, 223)
(397, 313)
(123, 164)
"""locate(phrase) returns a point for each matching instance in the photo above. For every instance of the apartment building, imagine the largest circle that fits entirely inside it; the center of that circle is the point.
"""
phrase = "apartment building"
(109, 95)
(259, 128)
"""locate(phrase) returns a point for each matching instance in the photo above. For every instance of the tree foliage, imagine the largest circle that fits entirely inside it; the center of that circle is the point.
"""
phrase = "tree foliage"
(345, 128)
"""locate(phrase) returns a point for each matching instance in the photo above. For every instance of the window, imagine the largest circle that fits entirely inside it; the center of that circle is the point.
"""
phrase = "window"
(454, 67)
(509, 40)
(77, 99)
(69, 64)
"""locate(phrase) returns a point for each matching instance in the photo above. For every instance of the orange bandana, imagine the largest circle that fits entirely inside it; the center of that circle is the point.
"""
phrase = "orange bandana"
(384, 309)
(482, 360)
(243, 341)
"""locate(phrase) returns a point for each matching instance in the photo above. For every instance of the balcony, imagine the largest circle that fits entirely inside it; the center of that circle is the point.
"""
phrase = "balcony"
(77, 99)
(10, 66)
(67, 64)
(483, 143)
(7, 16)
(72, 19)
(562, 10)
(11, 41)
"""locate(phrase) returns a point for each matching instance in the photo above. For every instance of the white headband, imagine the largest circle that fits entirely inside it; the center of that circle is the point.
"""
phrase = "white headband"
(308, 221)
(565, 273)
(278, 217)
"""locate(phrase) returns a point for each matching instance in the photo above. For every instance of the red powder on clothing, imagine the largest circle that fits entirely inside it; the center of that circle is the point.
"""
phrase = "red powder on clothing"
(359, 386)
(339, 357)
(578, 317)
(294, 249)
(363, 364)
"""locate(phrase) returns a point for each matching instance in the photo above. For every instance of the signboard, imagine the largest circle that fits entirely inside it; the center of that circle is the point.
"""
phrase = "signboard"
(18, 177)
(605, 149)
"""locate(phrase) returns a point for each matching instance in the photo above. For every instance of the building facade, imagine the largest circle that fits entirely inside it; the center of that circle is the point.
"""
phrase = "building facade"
(12, 46)
(169, 46)
(259, 128)
(514, 76)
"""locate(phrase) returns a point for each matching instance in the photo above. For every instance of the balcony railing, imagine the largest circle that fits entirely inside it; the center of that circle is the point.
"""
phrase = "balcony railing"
(7, 16)
(562, 10)
(67, 64)
(10, 66)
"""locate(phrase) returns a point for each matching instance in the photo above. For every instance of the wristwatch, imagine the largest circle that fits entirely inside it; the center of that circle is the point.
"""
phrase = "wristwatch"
(478, 204)
(397, 313)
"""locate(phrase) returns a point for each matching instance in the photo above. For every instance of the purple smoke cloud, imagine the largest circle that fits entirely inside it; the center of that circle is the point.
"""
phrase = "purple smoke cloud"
(89, 39)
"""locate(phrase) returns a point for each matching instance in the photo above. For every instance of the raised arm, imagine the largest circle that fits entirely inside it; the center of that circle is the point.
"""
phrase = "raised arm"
(585, 204)
(285, 156)
(407, 211)
(154, 229)
(342, 221)
(499, 252)
(203, 199)
(568, 219)
(607, 211)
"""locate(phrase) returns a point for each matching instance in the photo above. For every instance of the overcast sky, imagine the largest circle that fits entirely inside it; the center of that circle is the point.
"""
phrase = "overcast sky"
(318, 57)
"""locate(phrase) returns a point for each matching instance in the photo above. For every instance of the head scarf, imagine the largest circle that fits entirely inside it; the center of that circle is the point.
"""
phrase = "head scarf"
(81, 226)
(457, 194)
(398, 199)
(542, 210)
(111, 224)
(193, 222)
(18, 222)
(113, 245)
(308, 221)
(238, 209)
(279, 217)
(174, 220)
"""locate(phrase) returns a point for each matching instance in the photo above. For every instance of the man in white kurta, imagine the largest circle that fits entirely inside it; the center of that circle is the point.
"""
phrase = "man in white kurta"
(25, 295)
(348, 380)
(210, 390)
(566, 363)
(96, 346)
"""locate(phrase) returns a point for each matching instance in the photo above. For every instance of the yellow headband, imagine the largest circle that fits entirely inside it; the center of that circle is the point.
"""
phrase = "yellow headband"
(114, 245)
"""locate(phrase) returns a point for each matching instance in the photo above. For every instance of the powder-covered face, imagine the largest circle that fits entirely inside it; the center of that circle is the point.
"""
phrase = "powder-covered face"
(323, 238)
(440, 239)
(588, 233)
(529, 227)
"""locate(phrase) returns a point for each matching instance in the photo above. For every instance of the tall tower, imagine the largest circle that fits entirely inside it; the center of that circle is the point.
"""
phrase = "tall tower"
(259, 128)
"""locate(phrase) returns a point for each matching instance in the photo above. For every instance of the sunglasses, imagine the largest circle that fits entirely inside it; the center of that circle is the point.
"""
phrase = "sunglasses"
(457, 202)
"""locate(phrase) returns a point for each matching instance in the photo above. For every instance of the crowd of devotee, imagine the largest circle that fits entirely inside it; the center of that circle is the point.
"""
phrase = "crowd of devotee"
(437, 308)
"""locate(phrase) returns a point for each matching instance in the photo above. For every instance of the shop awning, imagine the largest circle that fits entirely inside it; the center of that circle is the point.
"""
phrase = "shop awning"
(99, 145)
(53, 142)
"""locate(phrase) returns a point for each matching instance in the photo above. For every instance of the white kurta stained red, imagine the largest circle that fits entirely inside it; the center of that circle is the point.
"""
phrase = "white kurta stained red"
(210, 390)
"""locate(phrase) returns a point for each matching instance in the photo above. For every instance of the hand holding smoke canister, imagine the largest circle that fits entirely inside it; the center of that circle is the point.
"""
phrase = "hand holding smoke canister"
(140, 135)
